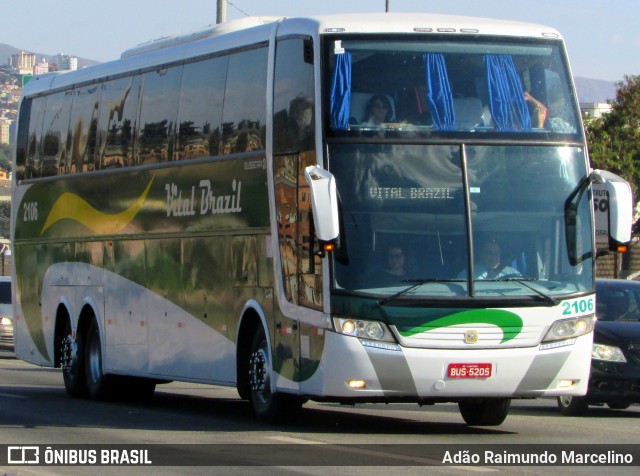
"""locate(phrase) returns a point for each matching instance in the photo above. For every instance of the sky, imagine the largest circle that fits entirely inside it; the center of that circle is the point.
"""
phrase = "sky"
(602, 36)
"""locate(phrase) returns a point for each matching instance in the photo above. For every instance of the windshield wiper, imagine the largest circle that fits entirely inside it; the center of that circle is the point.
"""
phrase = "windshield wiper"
(521, 280)
(416, 283)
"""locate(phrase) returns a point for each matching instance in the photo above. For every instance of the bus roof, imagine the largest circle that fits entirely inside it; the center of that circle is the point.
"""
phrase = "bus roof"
(254, 30)
(420, 23)
(190, 37)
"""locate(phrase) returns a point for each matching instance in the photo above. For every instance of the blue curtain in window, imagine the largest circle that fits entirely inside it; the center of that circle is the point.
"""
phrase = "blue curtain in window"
(506, 96)
(439, 92)
(341, 91)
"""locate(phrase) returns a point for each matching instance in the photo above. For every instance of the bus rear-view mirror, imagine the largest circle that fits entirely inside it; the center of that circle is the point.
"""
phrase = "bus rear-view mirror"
(619, 208)
(324, 203)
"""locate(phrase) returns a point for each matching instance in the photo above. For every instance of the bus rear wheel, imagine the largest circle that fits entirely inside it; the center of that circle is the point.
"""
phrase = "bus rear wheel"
(98, 383)
(484, 411)
(72, 363)
(268, 406)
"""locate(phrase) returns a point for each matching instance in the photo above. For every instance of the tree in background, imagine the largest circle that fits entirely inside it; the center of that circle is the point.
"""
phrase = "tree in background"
(5, 207)
(5, 157)
(614, 138)
(5, 219)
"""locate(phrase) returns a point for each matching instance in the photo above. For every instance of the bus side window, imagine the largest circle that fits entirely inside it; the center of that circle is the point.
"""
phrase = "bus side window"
(32, 156)
(118, 118)
(200, 108)
(294, 107)
(158, 115)
(55, 130)
(83, 128)
(23, 139)
(244, 116)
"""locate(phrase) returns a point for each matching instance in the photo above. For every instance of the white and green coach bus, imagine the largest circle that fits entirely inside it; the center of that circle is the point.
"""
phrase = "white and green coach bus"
(298, 208)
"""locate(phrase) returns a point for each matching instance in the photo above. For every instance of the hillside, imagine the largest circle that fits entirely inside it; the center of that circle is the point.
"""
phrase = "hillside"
(7, 50)
(595, 90)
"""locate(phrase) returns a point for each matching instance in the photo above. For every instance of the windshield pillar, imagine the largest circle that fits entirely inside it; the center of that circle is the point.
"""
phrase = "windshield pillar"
(468, 210)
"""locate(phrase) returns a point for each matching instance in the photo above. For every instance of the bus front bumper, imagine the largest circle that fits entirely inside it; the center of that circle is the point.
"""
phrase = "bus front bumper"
(351, 368)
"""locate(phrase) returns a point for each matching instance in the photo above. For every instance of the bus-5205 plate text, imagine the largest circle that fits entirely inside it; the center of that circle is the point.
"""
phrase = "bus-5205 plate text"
(469, 371)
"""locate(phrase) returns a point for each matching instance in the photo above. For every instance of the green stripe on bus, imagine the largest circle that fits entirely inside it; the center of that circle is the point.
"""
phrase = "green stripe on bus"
(510, 323)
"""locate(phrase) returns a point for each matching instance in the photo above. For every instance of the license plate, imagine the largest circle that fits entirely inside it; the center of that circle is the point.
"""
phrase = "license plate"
(469, 370)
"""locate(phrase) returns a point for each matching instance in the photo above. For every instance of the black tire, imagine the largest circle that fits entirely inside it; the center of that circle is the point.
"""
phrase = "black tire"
(244, 392)
(484, 411)
(72, 363)
(99, 384)
(573, 406)
(270, 407)
(243, 386)
(619, 404)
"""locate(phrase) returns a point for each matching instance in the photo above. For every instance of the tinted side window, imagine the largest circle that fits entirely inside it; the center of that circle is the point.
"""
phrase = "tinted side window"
(118, 121)
(200, 110)
(32, 156)
(158, 115)
(23, 138)
(293, 96)
(83, 128)
(55, 129)
(244, 115)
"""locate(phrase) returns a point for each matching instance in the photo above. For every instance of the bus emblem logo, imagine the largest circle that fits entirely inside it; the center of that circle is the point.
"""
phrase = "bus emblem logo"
(471, 337)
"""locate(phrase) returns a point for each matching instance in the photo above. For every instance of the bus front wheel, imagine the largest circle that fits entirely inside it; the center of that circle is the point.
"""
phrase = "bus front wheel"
(484, 411)
(270, 407)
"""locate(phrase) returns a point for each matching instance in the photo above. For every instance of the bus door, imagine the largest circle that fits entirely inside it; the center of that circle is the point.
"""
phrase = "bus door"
(298, 337)
(301, 269)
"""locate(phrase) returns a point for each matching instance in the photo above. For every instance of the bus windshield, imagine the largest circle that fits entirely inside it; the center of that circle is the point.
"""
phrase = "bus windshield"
(406, 215)
(440, 85)
(460, 168)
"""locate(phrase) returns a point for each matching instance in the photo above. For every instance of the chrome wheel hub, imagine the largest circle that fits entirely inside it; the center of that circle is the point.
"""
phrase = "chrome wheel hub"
(258, 365)
(69, 354)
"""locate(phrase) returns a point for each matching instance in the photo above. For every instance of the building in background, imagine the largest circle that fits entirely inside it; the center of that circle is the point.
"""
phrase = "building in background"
(5, 131)
(594, 110)
(67, 62)
(42, 67)
(23, 62)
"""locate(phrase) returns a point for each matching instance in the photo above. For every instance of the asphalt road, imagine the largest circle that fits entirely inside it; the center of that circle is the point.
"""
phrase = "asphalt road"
(326, 439)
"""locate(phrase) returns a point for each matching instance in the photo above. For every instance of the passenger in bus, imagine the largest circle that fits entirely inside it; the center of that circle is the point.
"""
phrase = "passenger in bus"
(538, 111)
(394, 268)
(378, 110)
(490, 264)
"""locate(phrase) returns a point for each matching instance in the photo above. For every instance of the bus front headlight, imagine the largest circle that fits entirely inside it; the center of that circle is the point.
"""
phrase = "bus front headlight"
(364, 329)
(569, 328)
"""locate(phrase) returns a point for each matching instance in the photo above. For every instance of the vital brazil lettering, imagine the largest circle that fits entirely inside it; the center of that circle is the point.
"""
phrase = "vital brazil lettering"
(179, 205)
(70, 206)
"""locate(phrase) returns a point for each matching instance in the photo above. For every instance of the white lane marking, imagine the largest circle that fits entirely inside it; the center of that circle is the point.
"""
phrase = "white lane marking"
(10, 395)
(299, 441)
(403, 458)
